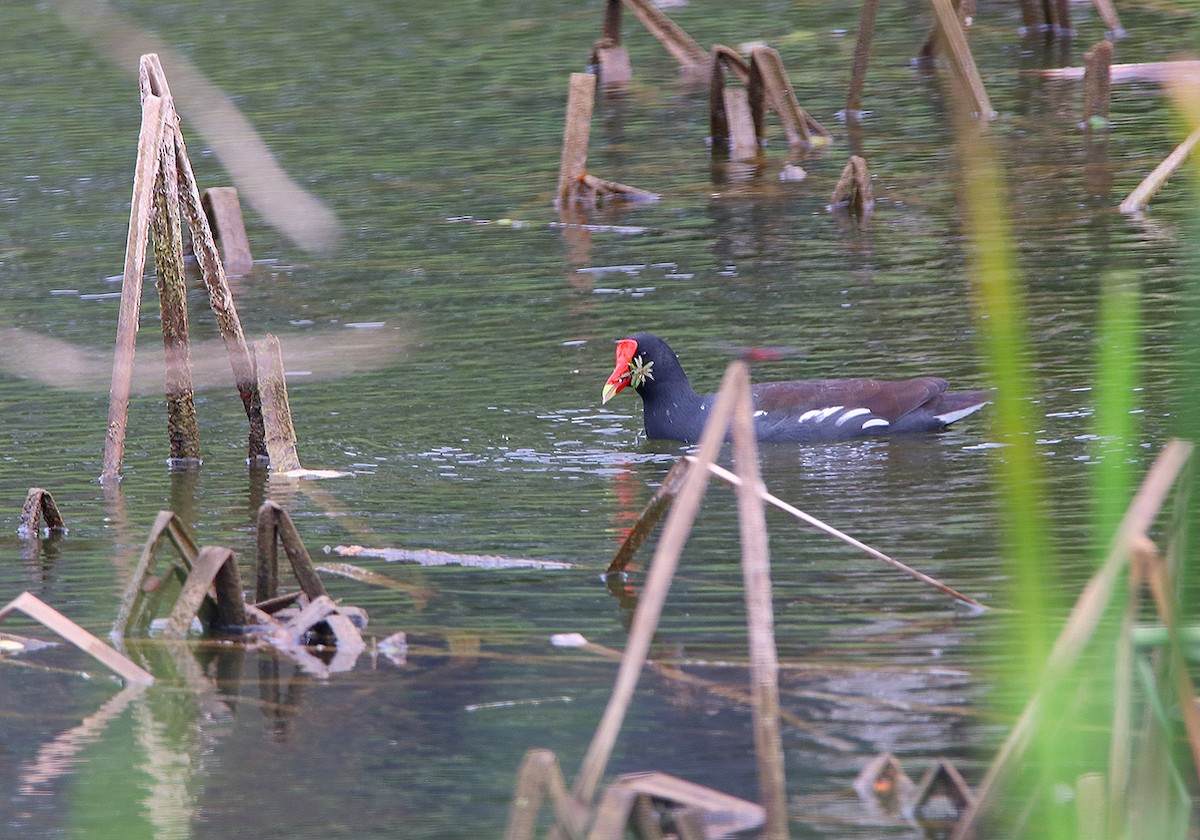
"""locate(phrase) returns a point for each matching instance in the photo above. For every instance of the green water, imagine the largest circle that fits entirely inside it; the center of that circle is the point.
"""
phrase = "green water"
(471, 421)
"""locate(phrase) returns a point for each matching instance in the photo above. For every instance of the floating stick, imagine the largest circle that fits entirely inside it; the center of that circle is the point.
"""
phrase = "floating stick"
(1152, 183)
(730, 478)
(59, 624)
(612, 63)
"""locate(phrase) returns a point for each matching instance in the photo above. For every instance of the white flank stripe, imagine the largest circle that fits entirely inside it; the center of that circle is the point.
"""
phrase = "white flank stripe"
(851, 414)
(826, 413)
(808, 415)
(760, 413)
(875, 421)
(950, 416)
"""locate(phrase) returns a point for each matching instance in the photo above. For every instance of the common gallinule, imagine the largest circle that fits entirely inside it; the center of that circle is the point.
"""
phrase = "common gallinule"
(800, 412)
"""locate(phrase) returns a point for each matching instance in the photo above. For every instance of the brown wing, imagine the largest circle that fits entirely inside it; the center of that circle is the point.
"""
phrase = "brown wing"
(887, 399)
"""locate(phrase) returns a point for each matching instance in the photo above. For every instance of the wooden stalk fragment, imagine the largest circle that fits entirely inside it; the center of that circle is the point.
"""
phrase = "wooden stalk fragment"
(649, 517)
(734, 396)
(591, 190)
(276, 526)
(853, 190)
(39, 505)
(153, 82)
(962, 63)
(277, 414)
(742, 142)
(862, 56)
(1141, 195)
(883, 780)
(760, 614)
(145, 591)
(581, 96)
(944, 783)
(730, 119)
(1062, 17)
(691, 56)
(224, 212)
(540, 774)
(649, 608)
(611, 29)
(1108, 14)
(155, 113)
(67, 629)
(612, 63)
(730, 478)
(1029, 15)
(1097, 85)
(768, 75)
(214, 567)
(183, 432)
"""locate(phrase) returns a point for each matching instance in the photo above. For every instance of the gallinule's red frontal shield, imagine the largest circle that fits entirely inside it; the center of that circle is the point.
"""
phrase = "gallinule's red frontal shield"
(800, 412)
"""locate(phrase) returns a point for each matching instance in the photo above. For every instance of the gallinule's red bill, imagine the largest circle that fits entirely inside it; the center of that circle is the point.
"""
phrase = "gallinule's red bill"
(801, 412)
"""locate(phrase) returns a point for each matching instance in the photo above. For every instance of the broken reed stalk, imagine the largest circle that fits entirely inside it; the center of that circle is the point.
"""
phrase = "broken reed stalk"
(760, 614)
(1152, 183)
(1108, 14)
(39, 505)
(539, 774)
(731, 122)
(962, 63)
(215, 567)
(691, 56)
(224, 210)
(143, 591)
(734, 392)
(862, 57)
(611, 29)
(651, 513)
(1062, 17)
(277, 414)
(853, 190)
(671, 485)
(153, 82)
(730, 478)
(581, 97)
(732, 126)
(183, 433)
(1081, 624)
(155, 115)
(275, 526)
(50, 618)
(769, 86)
(1154, 572)
(1097, 85)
